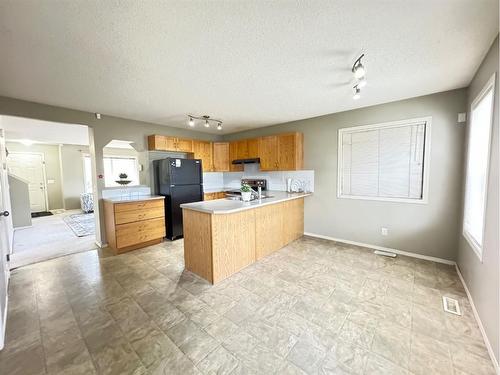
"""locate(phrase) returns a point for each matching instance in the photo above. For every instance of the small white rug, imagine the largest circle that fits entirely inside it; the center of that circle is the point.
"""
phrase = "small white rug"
(81, 224)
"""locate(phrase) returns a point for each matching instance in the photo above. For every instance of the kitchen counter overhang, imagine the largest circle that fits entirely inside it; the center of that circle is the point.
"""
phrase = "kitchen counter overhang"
(227, 206)
(221, 237)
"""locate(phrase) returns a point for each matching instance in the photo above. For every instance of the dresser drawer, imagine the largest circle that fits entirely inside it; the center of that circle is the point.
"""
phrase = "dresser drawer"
(140, 205)
(123, 217)
(143, 231)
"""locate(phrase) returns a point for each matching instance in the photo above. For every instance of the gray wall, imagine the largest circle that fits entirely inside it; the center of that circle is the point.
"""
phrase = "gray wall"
(429, 229)
(19, 201)
(72, 174)
(103, 131)
(482, 278)
(52, 169)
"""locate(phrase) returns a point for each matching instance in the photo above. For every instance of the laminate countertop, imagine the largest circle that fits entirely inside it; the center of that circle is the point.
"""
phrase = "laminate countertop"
(227, 206)
(133, 198)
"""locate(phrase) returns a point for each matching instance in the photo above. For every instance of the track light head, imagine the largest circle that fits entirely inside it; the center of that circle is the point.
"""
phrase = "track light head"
(207, 125)
(362, 83)
(219, 126)
(358, 69)
(191, 121)
(357, 93)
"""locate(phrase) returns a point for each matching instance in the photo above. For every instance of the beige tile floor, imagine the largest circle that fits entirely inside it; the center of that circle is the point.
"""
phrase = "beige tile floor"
(314, 307)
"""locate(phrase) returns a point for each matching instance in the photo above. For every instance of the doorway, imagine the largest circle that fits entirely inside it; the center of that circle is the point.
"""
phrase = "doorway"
(52, 208)
(30, 166)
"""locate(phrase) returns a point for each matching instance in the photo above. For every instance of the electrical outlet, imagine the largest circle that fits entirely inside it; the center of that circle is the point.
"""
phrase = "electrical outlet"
(384, 231)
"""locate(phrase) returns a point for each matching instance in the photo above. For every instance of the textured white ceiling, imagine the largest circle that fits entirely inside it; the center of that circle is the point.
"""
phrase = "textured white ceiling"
(19, 128)
(250, 63)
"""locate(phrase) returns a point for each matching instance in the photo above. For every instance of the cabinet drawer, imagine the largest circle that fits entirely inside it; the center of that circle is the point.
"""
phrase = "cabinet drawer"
(134, 233)
(138, 215)
(139, 205)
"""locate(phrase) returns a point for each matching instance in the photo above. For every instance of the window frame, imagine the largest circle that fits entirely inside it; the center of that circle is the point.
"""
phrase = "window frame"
(490, 85)
(384, 125)
(135, 158)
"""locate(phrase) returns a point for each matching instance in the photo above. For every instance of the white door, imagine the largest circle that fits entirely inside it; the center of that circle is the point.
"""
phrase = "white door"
(5, 234)
(31, 168)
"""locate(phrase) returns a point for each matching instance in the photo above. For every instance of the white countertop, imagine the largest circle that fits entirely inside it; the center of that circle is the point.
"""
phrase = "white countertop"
(133, 198)
(227, 206)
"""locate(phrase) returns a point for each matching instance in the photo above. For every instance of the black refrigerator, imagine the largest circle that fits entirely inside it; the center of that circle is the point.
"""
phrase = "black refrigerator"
(180, 181)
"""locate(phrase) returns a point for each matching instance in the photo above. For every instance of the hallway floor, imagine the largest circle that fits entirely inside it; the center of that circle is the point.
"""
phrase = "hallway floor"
(314, 307)
(49, 237)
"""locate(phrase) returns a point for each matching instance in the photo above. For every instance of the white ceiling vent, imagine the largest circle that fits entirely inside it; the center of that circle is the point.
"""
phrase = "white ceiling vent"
(451, 306)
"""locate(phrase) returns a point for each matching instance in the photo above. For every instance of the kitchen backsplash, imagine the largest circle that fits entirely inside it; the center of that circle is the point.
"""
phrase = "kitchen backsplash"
(275, 180)
(126, 191)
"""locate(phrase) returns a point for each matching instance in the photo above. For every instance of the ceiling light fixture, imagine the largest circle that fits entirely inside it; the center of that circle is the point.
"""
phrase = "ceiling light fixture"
(362, 83)
(358, 69)
(205, 118)
(357, 93)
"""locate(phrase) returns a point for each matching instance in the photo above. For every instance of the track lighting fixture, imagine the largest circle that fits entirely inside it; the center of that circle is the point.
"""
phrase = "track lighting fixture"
(359, 72)
(357, 93)
(358, 69)
(205, 118)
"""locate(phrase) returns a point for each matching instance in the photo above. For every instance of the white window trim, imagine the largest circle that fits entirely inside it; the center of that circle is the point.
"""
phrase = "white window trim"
(392, 124)
(478, 250)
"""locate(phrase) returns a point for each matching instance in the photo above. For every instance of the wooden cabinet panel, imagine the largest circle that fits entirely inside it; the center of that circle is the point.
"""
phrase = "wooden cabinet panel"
(221, 156)
(170, 144)
(140, 205)
(203, 150)
(198, 241)
(184, 145)
(131, 216)
(293, 220)
(253, 148)
(134, 233)
(269, 220)
(208, 196)
(231, 253)
(290, 151)
(157, 142)
(221, 194)
(233, 155)
(268, 153)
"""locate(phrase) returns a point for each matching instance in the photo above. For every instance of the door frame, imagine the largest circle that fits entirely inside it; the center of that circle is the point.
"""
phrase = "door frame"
(44, 173)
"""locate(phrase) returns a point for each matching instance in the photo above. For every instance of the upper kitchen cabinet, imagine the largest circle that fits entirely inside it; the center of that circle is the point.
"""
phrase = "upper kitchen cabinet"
(164, 143)
(221, 162)
(253, 148)
(237, 150)
(281, 152)
(203, 150)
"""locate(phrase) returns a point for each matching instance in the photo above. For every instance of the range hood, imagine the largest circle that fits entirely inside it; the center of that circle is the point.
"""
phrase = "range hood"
(246, 161)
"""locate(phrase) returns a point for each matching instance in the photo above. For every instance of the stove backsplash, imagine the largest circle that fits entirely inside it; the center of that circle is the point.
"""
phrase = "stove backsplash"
(275, 180)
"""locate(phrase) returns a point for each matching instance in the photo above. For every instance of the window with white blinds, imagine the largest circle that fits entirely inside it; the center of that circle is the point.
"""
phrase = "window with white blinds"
(384, 161)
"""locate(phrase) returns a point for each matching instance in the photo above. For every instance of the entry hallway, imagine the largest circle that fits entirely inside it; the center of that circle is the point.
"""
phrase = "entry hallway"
(314, 307)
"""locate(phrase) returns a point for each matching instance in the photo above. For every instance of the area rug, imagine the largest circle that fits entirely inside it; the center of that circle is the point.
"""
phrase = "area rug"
(81, 224)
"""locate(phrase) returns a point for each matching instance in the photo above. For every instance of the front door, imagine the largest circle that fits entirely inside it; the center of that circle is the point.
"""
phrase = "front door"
(30, 167)
(5, 236)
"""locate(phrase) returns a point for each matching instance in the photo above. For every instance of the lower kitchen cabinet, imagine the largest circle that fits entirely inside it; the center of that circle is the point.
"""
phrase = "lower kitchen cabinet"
(134, 224)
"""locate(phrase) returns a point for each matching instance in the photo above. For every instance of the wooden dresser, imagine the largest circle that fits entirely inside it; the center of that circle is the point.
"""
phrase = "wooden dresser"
(134, 223)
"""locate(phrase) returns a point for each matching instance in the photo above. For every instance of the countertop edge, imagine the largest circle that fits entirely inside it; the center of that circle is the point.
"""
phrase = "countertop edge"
(135, 199)
(244, 208)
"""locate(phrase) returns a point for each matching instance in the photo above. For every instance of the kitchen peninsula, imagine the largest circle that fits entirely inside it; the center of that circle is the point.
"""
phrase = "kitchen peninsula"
(223, 236)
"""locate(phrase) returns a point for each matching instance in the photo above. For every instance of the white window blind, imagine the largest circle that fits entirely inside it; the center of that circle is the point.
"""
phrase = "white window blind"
(478, 154)
(383, 161)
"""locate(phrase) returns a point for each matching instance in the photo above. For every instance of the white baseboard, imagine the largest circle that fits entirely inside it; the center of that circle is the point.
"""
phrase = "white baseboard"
(479, 323)
(400, 252)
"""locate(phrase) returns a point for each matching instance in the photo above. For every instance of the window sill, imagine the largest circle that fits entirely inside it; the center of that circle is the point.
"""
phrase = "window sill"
(382, 199)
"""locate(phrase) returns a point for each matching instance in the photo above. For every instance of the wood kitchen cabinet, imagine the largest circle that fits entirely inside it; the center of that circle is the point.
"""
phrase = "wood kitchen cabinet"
(221, 162)
(214, 195)
(203, 150)
(281, 152)
(236, 149)
(165, 143)
(253, 148)
(133, 224)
